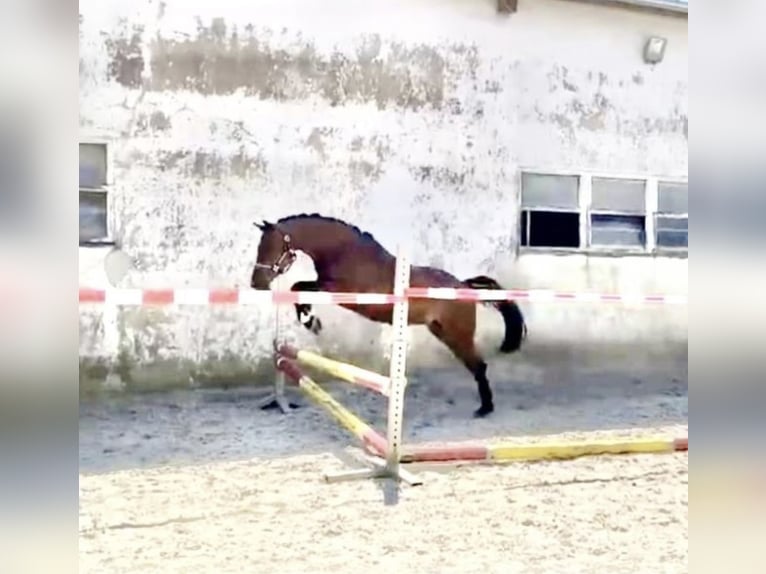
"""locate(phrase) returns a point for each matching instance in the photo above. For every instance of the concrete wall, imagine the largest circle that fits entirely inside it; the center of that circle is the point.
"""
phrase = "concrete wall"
(409, 118)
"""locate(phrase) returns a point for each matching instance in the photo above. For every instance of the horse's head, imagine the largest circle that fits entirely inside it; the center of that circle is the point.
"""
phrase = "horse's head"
(275, 255)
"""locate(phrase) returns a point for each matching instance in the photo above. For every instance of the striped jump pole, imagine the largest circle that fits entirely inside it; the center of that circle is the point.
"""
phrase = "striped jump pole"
(507, 452)
(344, 371)
(365, 433)
(368, 436)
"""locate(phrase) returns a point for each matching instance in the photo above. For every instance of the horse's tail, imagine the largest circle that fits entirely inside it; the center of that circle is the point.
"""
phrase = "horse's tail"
(515, 327)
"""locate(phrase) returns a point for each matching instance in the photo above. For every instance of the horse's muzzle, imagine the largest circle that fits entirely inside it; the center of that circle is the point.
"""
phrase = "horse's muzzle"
(260, 281)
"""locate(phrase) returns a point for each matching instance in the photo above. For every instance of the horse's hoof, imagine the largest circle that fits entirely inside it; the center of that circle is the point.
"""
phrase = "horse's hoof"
(483, 411)
(283, 406)
(316, 326)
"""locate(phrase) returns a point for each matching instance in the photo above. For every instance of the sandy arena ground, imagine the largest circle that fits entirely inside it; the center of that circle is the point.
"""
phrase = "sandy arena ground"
(202, 481)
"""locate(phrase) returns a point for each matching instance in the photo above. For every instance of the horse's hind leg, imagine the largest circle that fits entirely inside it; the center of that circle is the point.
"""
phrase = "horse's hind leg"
(303, 310)
(459, 340)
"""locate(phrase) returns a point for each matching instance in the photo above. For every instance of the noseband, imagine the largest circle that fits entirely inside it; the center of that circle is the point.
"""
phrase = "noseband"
(285, 259)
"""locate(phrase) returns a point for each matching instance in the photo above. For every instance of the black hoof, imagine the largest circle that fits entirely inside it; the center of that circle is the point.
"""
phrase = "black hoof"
(483, 411)
(275, 405)
(315, 326)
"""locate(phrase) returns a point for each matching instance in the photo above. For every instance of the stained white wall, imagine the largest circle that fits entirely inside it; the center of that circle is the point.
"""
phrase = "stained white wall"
(409, 118)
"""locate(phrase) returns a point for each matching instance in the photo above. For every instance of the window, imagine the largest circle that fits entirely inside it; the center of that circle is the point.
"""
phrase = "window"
(672, 217)
(94, 228)
(617, 213)
(603, 213)
(550, 210)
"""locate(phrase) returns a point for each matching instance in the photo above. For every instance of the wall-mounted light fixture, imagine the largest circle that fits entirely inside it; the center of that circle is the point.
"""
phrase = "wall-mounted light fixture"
(507, 6)
(654, 49)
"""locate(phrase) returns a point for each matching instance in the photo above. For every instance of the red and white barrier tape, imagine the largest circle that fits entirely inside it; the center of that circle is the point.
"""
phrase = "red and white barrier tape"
(204, 297)
(540, 295)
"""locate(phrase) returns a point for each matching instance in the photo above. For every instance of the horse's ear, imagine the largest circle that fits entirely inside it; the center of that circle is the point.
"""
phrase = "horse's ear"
(263, 226)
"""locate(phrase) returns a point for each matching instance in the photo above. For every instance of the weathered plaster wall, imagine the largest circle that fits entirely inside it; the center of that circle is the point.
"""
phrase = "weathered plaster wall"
(410, 119)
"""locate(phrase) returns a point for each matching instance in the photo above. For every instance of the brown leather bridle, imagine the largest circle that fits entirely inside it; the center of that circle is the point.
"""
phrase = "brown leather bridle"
(285, 259)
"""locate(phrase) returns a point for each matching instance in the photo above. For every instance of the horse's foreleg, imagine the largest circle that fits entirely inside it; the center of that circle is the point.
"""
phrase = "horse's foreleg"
(304, 311)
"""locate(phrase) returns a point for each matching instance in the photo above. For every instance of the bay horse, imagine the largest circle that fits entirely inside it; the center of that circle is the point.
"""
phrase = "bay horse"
(347, 259)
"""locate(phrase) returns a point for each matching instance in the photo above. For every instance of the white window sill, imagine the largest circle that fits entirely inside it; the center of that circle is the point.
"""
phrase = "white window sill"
(604, 252)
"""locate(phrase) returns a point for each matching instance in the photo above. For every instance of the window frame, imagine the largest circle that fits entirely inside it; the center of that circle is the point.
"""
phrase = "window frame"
(590, 211)
(105, 189)
(585, 181)
(662, 249)
(522, 211)
(615, 247)
(526, 211)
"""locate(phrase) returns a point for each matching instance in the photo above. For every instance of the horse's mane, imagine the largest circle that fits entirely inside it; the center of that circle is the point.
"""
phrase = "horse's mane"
(354, 228)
